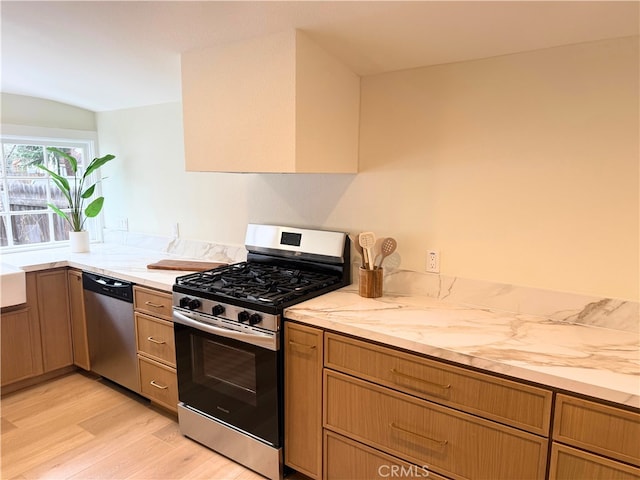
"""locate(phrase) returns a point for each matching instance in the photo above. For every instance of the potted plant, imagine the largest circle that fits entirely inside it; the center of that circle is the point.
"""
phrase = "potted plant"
(76, 195)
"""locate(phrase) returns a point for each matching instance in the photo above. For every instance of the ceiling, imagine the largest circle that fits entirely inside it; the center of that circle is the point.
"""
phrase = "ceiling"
(108, 55)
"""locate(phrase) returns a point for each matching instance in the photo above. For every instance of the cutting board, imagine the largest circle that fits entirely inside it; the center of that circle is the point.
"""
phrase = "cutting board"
(184, 265)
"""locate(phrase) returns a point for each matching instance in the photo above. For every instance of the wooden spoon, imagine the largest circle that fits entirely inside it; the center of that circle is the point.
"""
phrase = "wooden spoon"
(358, 247)
(367, 241)
(389, 246)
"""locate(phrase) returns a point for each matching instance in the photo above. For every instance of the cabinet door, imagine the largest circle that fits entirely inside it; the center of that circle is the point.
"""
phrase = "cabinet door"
(53, 310)
(303, 399)
(20, 347)
(570, 463)
(78, 320)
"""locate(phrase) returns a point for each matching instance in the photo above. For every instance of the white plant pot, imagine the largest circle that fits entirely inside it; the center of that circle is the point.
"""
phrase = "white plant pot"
(79, 241)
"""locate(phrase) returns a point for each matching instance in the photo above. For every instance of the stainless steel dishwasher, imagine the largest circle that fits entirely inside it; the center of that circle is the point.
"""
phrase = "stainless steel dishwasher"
(111, 329)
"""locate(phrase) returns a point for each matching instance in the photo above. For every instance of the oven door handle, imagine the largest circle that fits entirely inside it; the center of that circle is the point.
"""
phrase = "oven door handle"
(269, 342)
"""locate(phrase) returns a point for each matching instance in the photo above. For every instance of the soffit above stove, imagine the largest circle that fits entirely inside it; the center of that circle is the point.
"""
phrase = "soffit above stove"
(272, 104)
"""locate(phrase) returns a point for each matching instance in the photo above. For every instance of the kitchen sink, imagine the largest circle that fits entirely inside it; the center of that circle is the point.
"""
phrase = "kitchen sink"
(13, 290)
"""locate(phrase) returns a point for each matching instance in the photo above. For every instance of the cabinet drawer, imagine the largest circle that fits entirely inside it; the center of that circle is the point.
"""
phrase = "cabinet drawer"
(349, 460)
(569, 464)
(609, 431)
(154, 338)
(519, 405)
(158, 383)
(422, 433)
(153, 302)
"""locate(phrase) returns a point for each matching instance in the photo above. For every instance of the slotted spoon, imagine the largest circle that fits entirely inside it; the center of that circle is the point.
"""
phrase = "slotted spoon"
(367, 242)
(377, 249)
(389, 246)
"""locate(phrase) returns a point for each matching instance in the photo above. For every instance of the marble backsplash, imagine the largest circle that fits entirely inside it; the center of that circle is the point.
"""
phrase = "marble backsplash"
(556, 306)
(180, 247)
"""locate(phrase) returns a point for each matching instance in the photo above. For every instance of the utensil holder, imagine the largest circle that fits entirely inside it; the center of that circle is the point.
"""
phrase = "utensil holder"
(370, 282)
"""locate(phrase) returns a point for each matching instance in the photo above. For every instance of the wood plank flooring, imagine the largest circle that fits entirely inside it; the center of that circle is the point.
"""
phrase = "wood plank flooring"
(80, 427)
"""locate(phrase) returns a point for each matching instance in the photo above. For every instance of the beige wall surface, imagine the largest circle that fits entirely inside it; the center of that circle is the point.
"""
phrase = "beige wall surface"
(520, 169)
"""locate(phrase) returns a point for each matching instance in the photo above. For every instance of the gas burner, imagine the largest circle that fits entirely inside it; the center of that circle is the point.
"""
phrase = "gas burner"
(256, 282)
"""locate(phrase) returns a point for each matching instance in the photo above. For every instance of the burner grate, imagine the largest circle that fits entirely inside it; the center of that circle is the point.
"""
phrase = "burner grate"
(265, 284)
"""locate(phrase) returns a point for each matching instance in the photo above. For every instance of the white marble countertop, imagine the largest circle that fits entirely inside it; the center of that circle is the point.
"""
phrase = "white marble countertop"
(585, 359)
(123, 262)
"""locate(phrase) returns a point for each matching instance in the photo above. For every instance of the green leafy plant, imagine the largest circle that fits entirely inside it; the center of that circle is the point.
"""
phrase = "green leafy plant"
(77, 194)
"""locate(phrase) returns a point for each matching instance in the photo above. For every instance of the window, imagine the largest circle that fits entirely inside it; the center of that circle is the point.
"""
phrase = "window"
(25, 190)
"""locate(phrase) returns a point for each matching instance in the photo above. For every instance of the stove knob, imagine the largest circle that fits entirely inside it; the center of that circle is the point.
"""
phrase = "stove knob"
(243, 316)
(184, 302)
(217, 309)
(193, 304)
(255, 318)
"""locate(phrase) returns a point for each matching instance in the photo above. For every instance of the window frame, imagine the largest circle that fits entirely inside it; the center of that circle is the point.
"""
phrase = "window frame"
(60, 138)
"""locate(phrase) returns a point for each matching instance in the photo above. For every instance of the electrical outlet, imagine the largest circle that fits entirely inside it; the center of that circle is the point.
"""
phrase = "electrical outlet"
(433, 261)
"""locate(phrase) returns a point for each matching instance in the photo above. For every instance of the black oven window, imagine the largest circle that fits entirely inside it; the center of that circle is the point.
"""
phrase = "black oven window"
(226, 369)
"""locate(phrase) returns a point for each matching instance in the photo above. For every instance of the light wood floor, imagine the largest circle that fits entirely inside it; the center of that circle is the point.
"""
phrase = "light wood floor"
(79, 427)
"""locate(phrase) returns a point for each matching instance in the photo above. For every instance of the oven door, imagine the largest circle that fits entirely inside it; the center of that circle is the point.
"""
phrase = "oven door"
(224, 375)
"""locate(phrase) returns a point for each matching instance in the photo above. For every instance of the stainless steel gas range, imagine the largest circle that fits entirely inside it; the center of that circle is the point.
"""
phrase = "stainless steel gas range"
(228, 331)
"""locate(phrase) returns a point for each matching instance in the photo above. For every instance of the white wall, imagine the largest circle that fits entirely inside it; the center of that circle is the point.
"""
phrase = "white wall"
(149, 185)
(38, 112)
(520, 169)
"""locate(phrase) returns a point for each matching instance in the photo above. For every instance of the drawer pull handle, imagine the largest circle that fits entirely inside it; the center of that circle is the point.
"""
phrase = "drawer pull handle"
(154, 305)
(301, 345)
(153, 340)
(157, 385)
(411, 377)
(442, 443)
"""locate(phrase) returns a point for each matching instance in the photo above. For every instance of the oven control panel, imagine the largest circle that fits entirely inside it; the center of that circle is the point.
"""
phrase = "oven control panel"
(227, 311)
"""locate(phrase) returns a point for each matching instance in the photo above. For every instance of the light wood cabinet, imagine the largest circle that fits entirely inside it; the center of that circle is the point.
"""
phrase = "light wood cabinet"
(153, 302)
(277, 103)
(605, 430)
(21, 353)
(595, 441)
(158, 382)
(387, 409)
(505, 401)
(53, 311)
(155, 345)
(36, 338)
(78, 320)
(154, 339)
(303, 399)
(345, 459)
(452, 443)
(569, 463)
